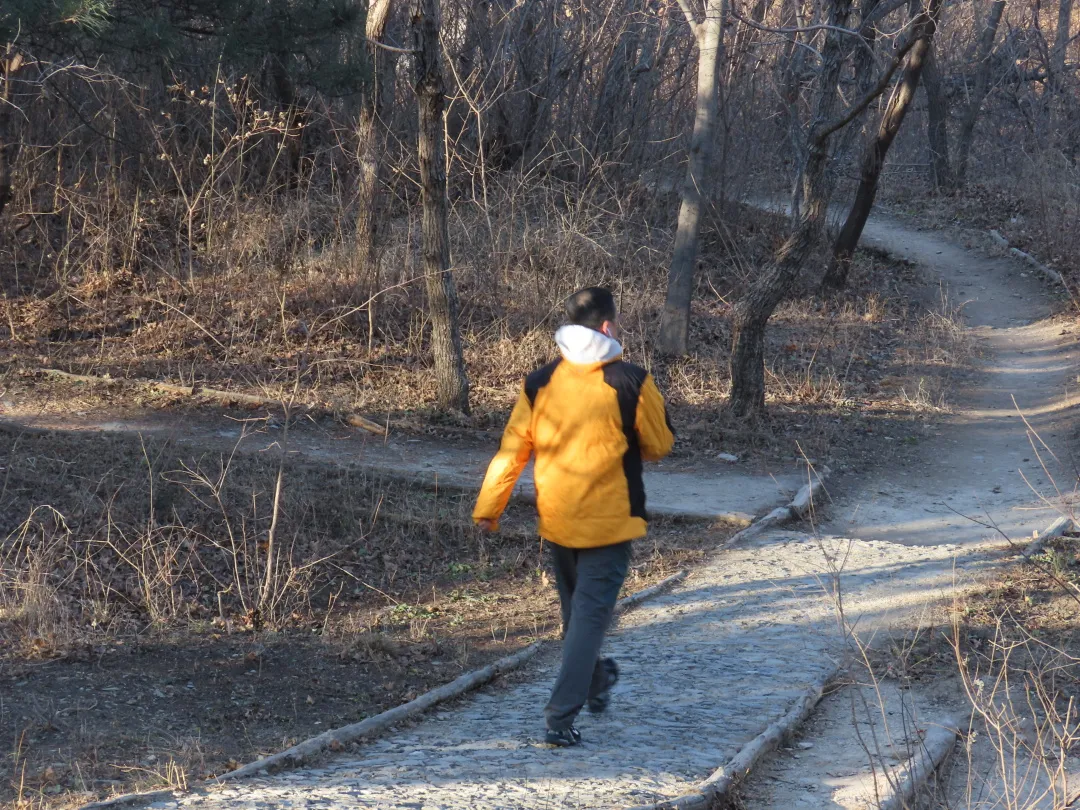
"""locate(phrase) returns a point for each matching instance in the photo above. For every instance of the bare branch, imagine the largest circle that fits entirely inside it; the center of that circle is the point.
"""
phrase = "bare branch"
(875, 91)
(377, 44)
(796, 30)
(691, 20)
(879, 14)
(805, 30)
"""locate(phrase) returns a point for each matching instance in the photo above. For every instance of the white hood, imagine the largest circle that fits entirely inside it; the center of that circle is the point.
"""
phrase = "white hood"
(580, 344)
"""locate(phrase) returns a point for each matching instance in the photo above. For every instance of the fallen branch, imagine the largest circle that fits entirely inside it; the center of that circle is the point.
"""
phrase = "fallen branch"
(931, 753)
(336, 738)
(1048, 273)
(1055, 530)
(356, 420)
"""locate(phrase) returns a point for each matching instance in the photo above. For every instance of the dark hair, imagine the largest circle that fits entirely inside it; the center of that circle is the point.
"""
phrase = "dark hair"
(591, 307)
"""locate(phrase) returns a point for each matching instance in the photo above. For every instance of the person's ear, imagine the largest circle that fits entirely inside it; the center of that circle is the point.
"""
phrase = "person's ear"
(608, 328)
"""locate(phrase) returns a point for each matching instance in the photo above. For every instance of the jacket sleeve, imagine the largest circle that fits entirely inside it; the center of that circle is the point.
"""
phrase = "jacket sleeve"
(503, 472)
(655, 434)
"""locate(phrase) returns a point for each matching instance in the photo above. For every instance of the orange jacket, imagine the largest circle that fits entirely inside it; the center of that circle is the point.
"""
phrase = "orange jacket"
(589, 421)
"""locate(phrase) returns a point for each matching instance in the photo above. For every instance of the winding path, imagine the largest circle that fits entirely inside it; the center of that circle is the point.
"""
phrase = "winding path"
(985, 461)
(710, 665)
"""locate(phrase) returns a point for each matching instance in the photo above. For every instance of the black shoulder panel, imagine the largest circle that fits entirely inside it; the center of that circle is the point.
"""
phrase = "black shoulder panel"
(538, 379)
(627, 379)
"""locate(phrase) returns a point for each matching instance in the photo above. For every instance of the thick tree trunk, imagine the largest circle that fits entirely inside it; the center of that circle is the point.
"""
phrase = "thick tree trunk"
(876, 151)
(937, 126)
(984, 66)
(372, 138)
(291, 105)
(451, 383)
(675, 327)
(752, 312)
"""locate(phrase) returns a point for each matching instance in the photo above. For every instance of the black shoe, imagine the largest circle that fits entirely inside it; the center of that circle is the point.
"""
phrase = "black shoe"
(599, 702)
(565, 738)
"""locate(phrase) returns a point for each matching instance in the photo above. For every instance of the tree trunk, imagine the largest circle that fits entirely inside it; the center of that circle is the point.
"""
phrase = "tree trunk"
(876, 151)
(675, 327)
(984, 66)
(1061, 46)
(10, 64)
(863, 63)
(648, 72)
(753, 311)
(452, 386)
(372, 138)
(937, 126)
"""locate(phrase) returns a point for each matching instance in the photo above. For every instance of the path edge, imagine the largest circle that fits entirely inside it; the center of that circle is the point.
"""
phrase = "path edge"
(1046, 272)
(932, 752)
(718, 786)
(1056, 529)
(800, 506)
(370, 727)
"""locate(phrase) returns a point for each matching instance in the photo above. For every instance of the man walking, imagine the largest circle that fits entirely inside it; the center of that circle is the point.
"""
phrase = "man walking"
(589, 418)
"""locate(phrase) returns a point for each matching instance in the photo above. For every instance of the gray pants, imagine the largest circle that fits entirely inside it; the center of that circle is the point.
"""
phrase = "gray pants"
(589, 581)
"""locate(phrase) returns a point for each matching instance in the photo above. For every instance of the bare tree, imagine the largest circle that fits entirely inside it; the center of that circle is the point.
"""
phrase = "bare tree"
(452, 384)
(609, 124)
(873, 161)
(752, 312)
(937, 125)
(657, 39)
(1061, 45)
(372, 134)
(984, 65)
(675, 328)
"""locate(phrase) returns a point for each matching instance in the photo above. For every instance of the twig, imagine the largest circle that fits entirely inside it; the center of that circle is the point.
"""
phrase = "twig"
(391, 48)
(198, 325)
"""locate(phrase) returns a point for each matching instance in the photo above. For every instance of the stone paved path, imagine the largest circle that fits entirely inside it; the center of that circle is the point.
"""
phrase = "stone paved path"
(705, 669)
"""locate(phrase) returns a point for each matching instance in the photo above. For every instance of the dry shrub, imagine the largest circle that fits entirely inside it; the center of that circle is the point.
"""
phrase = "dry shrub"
(34, 616)
(148, 537)
(1019, 687)
(206, 271)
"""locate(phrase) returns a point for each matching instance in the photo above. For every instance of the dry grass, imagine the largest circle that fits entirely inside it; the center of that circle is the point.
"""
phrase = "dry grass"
(213, 267)
(261, 324)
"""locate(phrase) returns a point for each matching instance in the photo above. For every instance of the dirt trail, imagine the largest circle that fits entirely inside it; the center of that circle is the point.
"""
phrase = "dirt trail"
(693, 489)
(981, 462)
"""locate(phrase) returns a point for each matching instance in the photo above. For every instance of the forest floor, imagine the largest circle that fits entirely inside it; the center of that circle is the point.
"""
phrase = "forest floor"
(422, 598)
